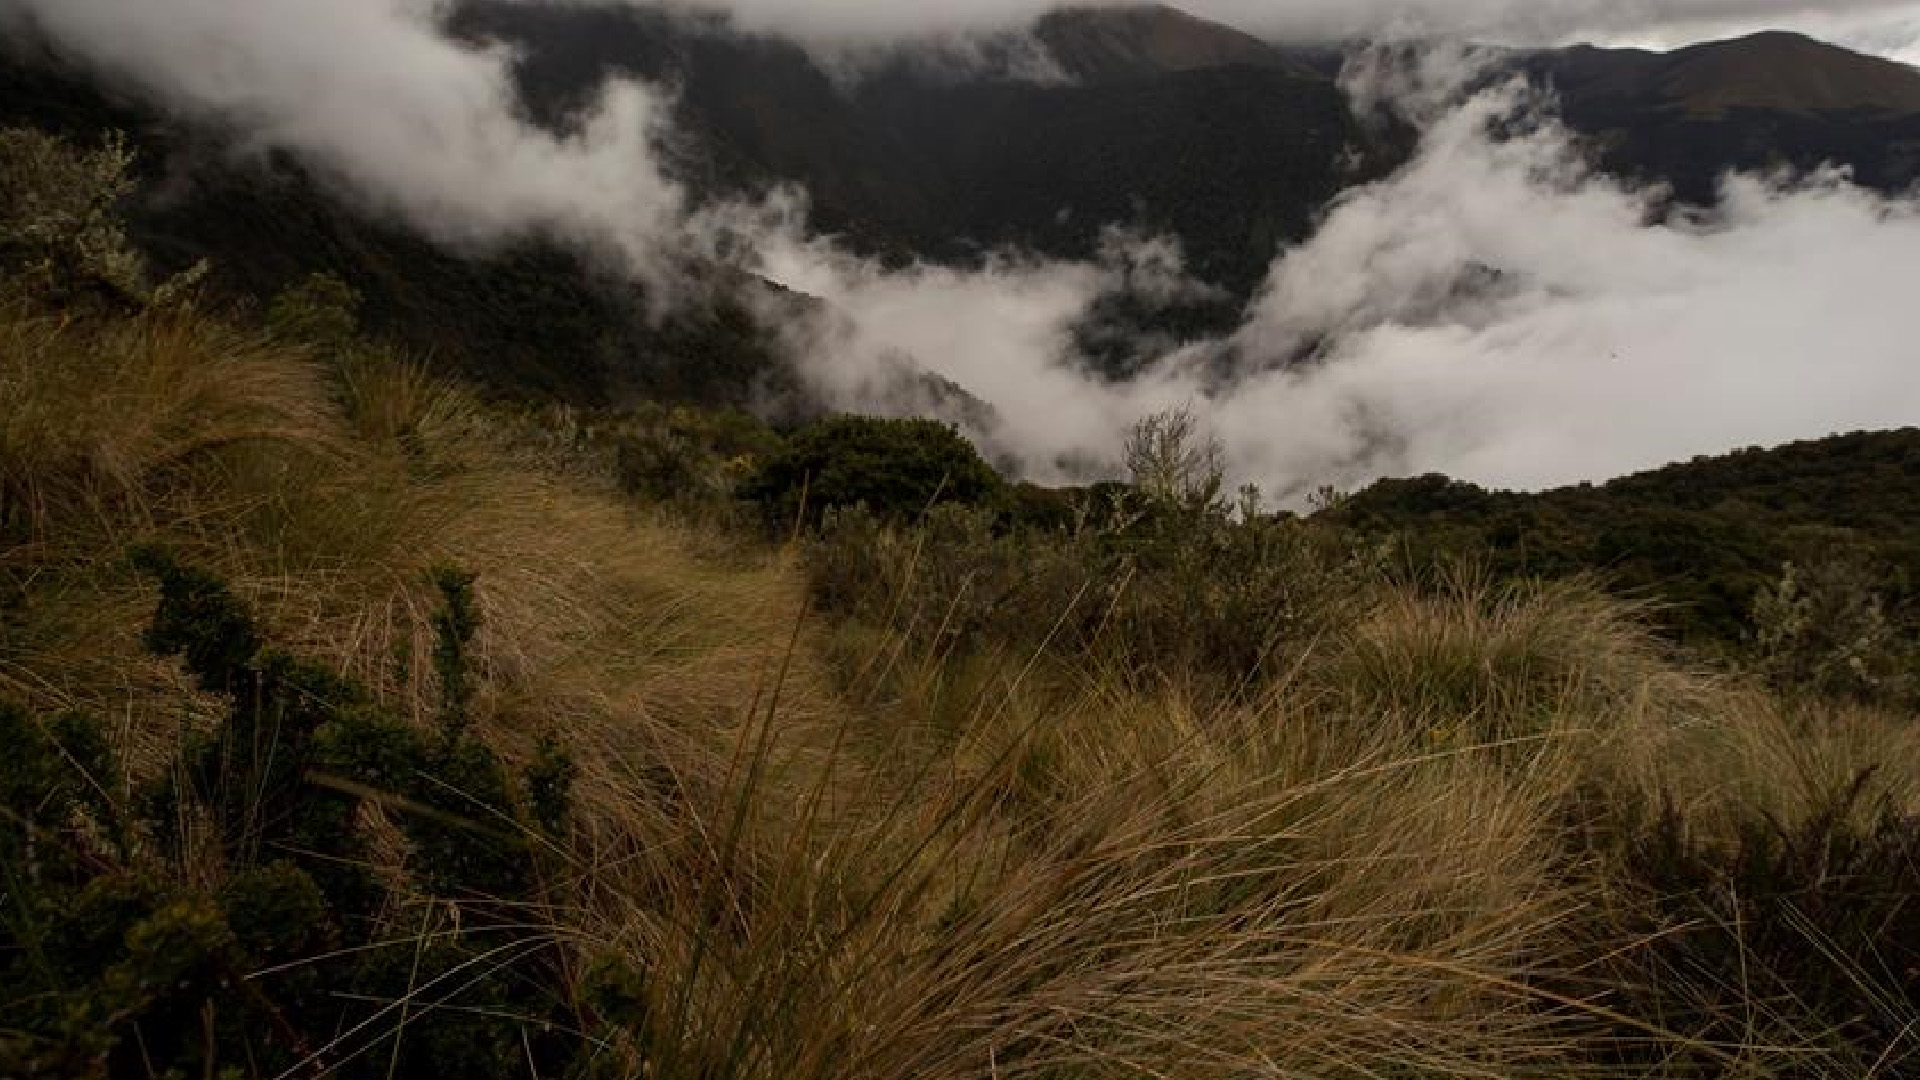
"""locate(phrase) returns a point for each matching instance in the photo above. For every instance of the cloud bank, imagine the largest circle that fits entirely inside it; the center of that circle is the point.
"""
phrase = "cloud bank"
(1494, 311)
(370, 92)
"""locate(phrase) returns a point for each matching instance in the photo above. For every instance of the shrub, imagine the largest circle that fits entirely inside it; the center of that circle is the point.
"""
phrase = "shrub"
(1148, 587)
(1777, 933)
(1824, 629)
(59, 221)
(277, 945)
(898, 469)
(660, 465)
(321, 309)
(1172, 460)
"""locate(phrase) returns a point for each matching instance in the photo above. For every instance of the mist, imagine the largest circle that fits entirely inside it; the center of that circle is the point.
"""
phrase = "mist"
(1495, 311)
(375, 98)
(1499, 313)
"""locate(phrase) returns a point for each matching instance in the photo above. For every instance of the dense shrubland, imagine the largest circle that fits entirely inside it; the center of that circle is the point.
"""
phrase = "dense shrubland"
(356, 726)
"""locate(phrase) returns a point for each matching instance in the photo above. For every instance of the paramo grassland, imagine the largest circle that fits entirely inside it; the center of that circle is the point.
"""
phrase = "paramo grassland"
(355, 725)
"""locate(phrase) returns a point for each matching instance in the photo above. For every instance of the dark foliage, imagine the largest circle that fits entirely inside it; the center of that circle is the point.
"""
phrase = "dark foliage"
(1141, 588)
(1707, 539)
(897, 469)
(912, 163)
(1779, 928)
(302, 958)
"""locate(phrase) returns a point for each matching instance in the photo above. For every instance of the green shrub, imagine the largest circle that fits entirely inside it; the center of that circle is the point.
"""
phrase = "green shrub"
(1149, 587)
(273, 943)
(321, 309)
(59, 216)
(660, 465)
(1778, 930)
(898, 469)
(1825, 630)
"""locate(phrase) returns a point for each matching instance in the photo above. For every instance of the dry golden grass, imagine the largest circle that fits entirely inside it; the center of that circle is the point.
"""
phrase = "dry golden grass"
(938, 867)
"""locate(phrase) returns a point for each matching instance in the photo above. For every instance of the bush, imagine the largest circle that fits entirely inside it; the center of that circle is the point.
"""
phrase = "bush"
(59, 221)
(660, 465)
(1825, 630)
(1149, 587)
(269, 940)
(898, 469)
(321, 310)
(1777, 933)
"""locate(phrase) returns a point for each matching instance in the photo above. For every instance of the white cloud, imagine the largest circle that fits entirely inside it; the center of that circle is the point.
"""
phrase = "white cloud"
(371, 92)
(1493, 311)
(1498, 313)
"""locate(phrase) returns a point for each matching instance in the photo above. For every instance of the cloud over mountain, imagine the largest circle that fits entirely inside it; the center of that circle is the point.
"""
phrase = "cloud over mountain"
(1495, 309)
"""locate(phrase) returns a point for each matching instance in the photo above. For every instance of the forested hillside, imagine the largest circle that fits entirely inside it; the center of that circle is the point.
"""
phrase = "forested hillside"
(533, 317)
(1705, 540)
(1759, 104)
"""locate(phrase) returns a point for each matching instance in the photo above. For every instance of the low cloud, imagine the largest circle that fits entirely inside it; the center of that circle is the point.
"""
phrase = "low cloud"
(371, 93)
(1500, 313)
(1495, 311)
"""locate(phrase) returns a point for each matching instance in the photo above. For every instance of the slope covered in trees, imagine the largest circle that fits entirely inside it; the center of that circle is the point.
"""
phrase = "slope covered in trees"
(1707, 539)
(531, 318)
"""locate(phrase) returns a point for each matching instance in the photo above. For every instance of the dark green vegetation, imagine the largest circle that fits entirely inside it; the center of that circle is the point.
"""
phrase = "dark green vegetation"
(899, 469)
(116, 961)
(1806, 556)
(1177, 126)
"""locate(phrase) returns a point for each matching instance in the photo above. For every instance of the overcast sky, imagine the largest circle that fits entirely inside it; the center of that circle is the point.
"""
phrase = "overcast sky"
(1889, 25)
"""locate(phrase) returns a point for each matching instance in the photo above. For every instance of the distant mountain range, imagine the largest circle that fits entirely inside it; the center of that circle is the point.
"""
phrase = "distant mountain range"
(1146, 118)
(1759, 103)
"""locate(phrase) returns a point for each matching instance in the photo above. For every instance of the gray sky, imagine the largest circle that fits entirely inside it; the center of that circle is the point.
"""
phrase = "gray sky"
(1513, 21)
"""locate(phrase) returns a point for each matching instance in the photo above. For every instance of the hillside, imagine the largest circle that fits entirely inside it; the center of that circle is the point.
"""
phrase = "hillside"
(532, 318)
(1143, 41)
(1753, 104)
(360, 726)
(1705, 538)
(1178, 126)
(1790, 73)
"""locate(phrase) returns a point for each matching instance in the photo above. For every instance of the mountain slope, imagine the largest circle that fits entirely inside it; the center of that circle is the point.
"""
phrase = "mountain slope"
(532, 318)
(1109, 44)
(1788, 72)
(1176, 125)
(1704, 536)
(1754, 104)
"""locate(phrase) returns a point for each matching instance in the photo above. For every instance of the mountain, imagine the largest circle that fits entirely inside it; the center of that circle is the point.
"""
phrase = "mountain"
(1116, 44)
(1163, 123)
(1168, 124)
(1753, 104)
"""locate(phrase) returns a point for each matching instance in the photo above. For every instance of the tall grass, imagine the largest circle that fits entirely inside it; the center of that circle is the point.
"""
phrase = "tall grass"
(1413, 841)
